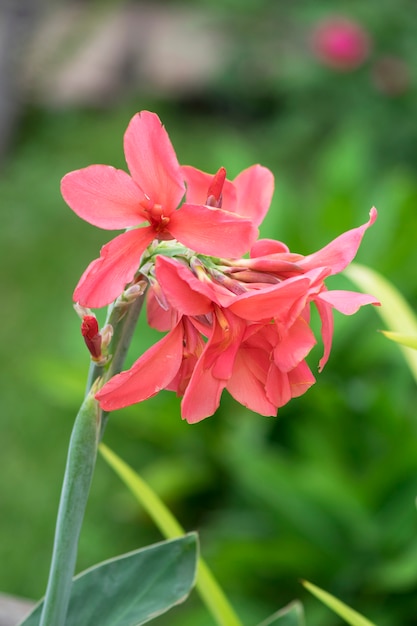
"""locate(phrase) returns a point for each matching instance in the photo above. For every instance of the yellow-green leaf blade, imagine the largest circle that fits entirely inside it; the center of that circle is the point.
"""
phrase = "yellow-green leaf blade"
(395, 312)
(405, 340)
(206, 585)
(350, 616)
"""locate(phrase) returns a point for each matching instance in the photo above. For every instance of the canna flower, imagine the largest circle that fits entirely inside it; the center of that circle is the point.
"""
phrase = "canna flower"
(340, 43)
(147, 204)
(242, 325)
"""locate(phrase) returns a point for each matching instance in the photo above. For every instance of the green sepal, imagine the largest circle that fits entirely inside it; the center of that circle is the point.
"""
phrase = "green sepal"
(131, 589)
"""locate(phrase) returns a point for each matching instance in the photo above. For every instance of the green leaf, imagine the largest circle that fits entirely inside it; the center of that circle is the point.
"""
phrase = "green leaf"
(405, 340)
(207, 586)
(345, 612)
(131, 589)
(291, 615)
(395, 311)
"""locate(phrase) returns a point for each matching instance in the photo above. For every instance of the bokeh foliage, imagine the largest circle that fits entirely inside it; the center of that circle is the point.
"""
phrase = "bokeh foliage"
(326, 491)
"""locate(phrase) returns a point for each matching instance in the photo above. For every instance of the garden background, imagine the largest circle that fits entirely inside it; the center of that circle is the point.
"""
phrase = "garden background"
(327, 490)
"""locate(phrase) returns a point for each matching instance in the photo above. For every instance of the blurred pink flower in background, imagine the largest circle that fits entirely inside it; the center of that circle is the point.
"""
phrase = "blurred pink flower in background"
(340, 43)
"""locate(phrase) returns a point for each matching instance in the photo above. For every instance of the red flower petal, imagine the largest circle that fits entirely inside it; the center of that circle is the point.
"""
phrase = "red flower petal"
(153, 371)
(202, 396)
(294, 346)
(177, 283)
(283, 301)
(301, 379)
(105, 278)
(347, 302)
(339, 252)
(103, 196)
(152, 161)
(278, 389)
(212, 231)
(247, 383)
(327, 327)
(255, 187)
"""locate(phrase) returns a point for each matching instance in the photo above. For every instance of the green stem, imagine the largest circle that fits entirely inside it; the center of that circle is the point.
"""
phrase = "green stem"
(87, 431)
(77, 479)
(207, 586)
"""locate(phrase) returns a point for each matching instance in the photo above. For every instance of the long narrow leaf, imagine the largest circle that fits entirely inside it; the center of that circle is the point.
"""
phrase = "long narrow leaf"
(207, 586)
(291, 615)
(406, 340)
(350, 616)
(395, 311)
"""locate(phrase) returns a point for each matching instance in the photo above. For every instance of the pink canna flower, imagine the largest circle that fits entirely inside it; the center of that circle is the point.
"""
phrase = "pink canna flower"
(147, 203)
(226, 331)
(340, 43)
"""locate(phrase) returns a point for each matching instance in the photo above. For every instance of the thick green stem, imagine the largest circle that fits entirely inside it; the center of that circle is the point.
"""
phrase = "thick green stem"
(87, 431)
(78, 474)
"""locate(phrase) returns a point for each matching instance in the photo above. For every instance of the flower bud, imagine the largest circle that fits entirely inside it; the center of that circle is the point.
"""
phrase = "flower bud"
(92, 336)
(214, 193)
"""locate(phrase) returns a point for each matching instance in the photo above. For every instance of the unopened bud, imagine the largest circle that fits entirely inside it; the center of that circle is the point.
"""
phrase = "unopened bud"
(92, 336)
(199, 269)
(134, 291)
(232, 285)
(106, 336)
(96, 341)
(214, 193)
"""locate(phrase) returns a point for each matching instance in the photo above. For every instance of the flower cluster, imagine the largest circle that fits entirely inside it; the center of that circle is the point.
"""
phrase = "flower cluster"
(241, 324)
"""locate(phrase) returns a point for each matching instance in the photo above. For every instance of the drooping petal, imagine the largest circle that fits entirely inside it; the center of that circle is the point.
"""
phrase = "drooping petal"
(301, 379)
(152, 161)
(214, 368)
(347, 302)
(177, 283)
(327, 327)
(202, 396)
(247, 383)
(153, 371)
(105, 278)
(198, 183)
(212, 231)
(103, 196)
(223, 344)
(278, 389)
(193, 348)
(255, 187)
(341, 251)
(294, 346)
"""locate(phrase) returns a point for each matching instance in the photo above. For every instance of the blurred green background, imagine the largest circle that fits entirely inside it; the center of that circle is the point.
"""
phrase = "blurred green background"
(325, 492)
